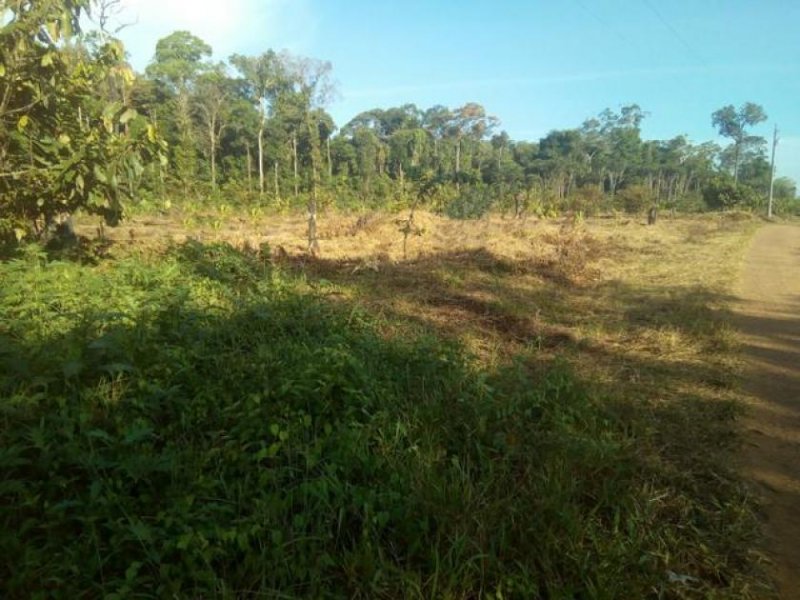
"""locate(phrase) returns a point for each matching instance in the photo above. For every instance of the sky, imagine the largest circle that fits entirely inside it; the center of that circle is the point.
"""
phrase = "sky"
(538, 65)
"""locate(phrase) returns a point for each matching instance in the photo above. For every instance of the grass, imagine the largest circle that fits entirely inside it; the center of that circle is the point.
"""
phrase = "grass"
(535, 410)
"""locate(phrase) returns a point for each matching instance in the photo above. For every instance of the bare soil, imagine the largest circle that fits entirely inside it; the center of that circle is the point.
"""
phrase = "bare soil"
(769, 320)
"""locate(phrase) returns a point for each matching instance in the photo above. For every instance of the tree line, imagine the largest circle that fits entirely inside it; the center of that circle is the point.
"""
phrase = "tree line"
(258, 124)
(78, 128)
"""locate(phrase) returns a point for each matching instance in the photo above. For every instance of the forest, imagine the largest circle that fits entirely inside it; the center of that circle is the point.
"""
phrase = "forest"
(246, 351)
(254, 130)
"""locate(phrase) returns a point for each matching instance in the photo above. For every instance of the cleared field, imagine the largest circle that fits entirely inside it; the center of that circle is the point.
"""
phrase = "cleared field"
(506, 409)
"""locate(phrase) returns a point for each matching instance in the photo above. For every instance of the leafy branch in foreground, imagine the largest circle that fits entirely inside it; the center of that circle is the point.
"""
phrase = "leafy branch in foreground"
(68, 138)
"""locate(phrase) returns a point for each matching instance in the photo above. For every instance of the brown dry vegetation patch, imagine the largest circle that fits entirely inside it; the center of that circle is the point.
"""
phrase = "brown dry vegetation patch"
(624, 301)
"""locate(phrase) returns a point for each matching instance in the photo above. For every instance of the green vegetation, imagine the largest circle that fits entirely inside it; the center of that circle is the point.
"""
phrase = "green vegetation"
(464, 402)
(80, 130)
(68, 137)
(196, 424)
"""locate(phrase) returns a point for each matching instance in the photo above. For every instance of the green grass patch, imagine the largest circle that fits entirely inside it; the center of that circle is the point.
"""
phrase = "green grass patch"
(195, 425)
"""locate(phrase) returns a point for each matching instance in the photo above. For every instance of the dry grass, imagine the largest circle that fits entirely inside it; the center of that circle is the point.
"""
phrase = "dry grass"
(629, 304)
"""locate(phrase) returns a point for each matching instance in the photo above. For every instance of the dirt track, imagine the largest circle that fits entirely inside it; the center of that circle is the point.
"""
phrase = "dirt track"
(769, 320)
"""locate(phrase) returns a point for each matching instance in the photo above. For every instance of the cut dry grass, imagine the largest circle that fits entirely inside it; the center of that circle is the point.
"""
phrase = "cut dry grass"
(612, 284)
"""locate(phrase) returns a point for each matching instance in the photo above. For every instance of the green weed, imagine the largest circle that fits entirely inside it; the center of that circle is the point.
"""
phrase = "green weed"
(192, 425)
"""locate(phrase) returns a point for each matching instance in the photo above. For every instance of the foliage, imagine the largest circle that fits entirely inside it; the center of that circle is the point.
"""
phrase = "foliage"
(732, 123)
(258, 125)
(61, 147)
(588, 200)
(192, 425)
(257, 128)
(471, 203)
(635, 199)
(723, 193)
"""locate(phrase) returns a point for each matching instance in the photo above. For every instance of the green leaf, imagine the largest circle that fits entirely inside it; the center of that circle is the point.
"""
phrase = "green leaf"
(72, 368)
(137, 434)
(100, 175)
(111, 109)
(133, 571)
(23, 122)
(99, 434)
(127, 115)
(138, 169)
(2, 70)
(47, 59)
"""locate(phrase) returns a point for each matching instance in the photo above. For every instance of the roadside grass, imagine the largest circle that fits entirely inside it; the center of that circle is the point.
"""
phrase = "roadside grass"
(519, 410)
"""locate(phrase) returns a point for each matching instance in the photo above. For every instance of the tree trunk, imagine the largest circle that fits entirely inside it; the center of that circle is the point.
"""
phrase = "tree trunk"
(277, 185)
(261, 159)
(458, 163)
(612, 183)
(316, 160)
(330, 163)
(313, 243)
(249, 168)
(213, 142)
(294, 159)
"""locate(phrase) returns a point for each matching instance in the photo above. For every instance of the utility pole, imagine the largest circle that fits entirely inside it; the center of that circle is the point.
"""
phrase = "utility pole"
(772, 171)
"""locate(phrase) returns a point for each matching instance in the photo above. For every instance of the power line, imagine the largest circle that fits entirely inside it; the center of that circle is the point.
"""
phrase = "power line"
(674, 32)
(602, 21)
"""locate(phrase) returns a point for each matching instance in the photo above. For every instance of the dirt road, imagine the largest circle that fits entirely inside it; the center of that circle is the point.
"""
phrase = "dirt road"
(769, 320)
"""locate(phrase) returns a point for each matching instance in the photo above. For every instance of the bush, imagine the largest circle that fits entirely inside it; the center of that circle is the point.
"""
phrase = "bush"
(472, 202)
(692, 202)
(588, 200)
(635, 199)
(723, 194)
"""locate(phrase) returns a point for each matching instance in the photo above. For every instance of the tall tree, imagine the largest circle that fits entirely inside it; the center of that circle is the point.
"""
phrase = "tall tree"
(266, 78)
(212, 100)
(733, 124)
(179, 60)
(311, 84)
(469, 121)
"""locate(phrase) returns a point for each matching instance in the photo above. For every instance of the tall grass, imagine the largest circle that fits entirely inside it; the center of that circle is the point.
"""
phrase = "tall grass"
(192, 425)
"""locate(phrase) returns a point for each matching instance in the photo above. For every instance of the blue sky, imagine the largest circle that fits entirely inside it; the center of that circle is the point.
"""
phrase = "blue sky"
(537, 65)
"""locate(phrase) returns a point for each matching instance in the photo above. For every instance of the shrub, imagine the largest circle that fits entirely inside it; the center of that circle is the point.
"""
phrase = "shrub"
(691, 202)
(635, 199)
(723, 194)
(586, 199)
(472, 202)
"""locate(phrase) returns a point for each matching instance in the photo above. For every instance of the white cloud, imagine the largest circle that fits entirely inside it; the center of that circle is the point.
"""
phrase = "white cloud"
(245, 26)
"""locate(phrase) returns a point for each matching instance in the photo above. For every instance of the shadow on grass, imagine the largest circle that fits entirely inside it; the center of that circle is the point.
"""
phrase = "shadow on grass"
(680, 402)
(230, 434)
